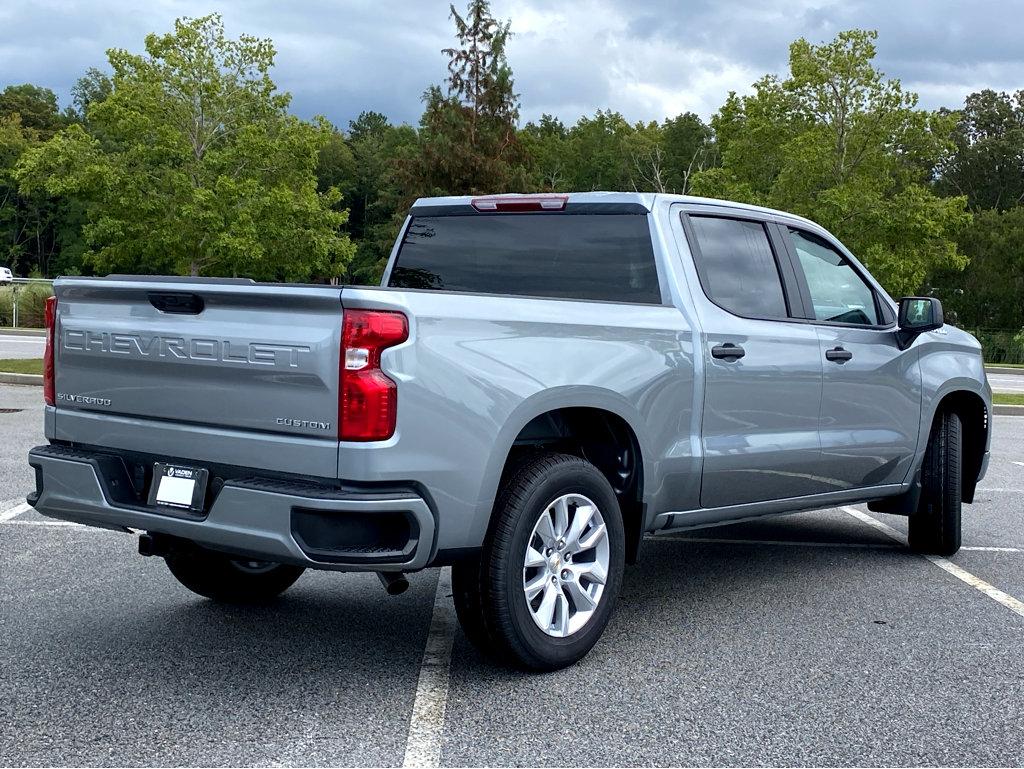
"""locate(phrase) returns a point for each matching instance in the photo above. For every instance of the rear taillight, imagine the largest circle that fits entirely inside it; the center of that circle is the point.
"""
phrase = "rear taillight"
(368, 400)
(51, 324)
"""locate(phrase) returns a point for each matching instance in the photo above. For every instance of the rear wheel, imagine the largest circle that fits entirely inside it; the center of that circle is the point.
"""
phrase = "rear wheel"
(934, 528)
(229, 579)
(544, 587)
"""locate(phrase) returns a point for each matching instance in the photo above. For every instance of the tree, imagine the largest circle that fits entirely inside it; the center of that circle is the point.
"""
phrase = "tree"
(840, 144)
(32, 226)
(688, 148)
(37, 108)
(201, 170)
(647, 165)
(92, 88)
(988, 293)
(15, 225)
(336, 166)
(28, 222)
(545, 152)
(599, 153)
(377, 197)
(468, 138)
(988, 163)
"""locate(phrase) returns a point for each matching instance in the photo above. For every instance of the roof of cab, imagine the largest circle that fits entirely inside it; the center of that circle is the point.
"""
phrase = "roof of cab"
(585, 200)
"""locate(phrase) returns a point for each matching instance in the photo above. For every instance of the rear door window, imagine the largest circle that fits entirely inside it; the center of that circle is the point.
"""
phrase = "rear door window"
(737, 267)
(599, 257)
(838, 293)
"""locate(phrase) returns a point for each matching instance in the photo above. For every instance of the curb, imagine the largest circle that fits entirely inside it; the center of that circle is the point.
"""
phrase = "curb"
(1005, 409)
(22, 379)
(1004, 370)
(22, 331)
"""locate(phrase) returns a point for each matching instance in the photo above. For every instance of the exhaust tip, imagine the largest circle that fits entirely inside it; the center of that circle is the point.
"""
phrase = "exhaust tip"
(394, 582)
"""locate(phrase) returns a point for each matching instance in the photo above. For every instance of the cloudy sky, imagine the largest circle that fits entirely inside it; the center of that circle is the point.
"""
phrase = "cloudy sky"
(646, 58)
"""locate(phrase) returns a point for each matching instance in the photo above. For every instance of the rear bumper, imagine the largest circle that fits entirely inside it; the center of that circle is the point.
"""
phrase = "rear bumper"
(264, 519)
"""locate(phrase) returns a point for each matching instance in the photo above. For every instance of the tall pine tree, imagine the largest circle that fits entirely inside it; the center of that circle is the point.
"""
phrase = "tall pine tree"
(468, 134)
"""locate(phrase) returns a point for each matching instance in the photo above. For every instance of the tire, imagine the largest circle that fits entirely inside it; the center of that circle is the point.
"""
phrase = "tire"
(230, 580)
(492, 592)
(934, 528)
(469, 604)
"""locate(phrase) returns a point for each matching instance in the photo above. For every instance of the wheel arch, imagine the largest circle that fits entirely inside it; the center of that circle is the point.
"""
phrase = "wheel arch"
(586, 423)
(975, 424)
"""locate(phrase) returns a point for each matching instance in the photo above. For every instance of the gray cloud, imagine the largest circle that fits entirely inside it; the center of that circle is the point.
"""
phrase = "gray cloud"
(647, 58)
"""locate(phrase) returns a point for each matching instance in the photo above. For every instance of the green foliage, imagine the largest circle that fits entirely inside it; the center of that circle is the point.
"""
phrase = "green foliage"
(599, 152)
(37, 108)
(842, 145)
(988, 165)
(546, 150)
(201, 170)
(335, 166)
(688, 147)
(468, 141)
(381, 151)
(92, 88)
(987, 294)
(31, 304)
(31, 225)
(606, 152)
(1000, 346)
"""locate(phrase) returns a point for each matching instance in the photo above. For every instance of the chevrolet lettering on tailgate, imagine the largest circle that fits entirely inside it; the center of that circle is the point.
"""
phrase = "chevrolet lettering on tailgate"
(184, 348)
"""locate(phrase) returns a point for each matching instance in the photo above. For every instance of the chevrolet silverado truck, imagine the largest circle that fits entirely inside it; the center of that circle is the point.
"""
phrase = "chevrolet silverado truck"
(538, 382)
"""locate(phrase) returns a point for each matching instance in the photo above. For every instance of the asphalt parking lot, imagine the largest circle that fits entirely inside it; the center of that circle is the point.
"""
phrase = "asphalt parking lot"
(811, 639)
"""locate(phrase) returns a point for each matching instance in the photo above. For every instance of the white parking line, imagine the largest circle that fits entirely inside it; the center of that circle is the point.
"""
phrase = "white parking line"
(1017, 463)
(423, 745)
(11, 512)
(781, 542)
(800, 543)
(949, 567)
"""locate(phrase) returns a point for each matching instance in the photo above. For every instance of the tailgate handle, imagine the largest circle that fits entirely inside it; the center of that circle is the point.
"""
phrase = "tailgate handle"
(177, 303)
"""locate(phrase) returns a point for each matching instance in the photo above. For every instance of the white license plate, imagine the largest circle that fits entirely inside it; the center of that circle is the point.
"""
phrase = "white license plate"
(178, 486)
(176, 491)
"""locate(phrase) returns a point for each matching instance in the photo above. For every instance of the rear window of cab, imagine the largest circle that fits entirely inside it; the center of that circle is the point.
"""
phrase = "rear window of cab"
(597, 257)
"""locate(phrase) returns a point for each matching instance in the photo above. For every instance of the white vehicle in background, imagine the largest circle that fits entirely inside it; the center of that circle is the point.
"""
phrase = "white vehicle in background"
(6, 277)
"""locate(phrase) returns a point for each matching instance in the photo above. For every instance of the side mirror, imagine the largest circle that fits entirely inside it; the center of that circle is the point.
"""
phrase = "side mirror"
(917, 315)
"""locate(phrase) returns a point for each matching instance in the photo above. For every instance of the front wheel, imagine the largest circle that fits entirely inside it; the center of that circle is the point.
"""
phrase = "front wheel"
(934, 528)
(229, 579)
(545, 585)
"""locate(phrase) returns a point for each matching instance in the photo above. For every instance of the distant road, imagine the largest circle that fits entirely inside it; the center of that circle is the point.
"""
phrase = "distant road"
(14, 346)
(1007, 383)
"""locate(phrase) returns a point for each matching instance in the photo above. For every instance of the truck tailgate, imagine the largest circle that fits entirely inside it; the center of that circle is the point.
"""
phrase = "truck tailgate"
(206, 356)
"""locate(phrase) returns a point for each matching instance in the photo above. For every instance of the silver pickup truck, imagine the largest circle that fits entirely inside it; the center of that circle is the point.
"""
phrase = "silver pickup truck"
(538, 382)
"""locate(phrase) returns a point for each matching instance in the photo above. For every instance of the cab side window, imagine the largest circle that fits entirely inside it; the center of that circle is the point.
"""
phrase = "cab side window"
(838, 293)
(737, 267)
